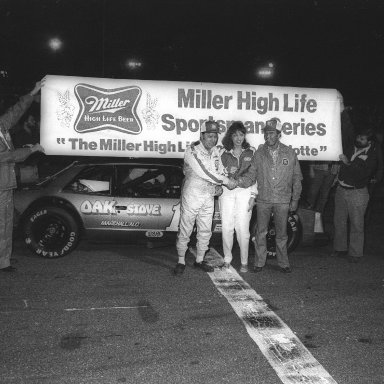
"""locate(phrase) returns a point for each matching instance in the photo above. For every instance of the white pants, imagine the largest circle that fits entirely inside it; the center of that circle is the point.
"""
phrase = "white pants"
(235, 217)
(195, 208)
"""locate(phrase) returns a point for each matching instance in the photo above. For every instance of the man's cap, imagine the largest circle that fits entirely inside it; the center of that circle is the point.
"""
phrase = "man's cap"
(210, 126)
(272, 125)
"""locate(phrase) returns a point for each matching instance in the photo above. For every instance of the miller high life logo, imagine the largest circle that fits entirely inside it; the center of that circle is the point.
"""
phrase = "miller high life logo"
(107, 109)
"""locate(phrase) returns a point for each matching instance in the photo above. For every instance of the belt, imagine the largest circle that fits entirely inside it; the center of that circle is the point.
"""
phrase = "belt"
(346, 187)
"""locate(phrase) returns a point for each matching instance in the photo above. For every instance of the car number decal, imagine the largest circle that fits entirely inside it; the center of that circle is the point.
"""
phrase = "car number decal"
(174, 224)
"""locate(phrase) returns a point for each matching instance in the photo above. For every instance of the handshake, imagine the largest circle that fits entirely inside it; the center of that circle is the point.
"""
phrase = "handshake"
(232, 183)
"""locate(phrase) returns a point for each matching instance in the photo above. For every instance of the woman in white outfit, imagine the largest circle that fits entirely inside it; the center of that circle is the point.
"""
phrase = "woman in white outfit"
(236, 205)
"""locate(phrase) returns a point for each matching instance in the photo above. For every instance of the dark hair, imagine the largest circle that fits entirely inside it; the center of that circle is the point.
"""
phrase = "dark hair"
(366, 132)
(227, 139)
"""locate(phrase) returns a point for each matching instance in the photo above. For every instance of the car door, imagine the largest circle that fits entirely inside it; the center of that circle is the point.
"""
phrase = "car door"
(90, 193)
(147, 201)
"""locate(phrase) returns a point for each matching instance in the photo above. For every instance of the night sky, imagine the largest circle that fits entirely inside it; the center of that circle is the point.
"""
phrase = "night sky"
(312, 43)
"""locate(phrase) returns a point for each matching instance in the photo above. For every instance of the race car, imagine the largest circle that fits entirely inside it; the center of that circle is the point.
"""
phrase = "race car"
(111, 200)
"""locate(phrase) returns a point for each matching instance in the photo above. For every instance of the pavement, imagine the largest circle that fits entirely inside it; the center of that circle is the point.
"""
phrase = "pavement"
(114, 313)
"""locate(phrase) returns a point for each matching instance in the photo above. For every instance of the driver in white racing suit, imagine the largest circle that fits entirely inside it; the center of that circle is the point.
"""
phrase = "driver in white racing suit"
(203, 175)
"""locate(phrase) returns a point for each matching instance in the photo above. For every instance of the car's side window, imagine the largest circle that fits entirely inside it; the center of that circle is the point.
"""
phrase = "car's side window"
(149, 181)
(95, 179)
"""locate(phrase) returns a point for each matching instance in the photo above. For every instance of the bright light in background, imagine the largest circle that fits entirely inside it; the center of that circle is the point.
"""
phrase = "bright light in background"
(55, 44)
(133, 64)
(266, 72)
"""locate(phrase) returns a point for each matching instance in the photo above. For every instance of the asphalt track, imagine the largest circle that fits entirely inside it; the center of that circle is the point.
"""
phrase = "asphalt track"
(116, 314)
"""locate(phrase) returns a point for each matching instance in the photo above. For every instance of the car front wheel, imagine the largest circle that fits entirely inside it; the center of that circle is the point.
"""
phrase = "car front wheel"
(50, 232)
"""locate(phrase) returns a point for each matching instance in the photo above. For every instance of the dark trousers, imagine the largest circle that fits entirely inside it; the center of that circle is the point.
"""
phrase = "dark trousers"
(350, 204)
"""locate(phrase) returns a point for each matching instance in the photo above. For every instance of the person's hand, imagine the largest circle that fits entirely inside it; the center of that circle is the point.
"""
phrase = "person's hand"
(36, 89)
(251, 203)
(37, 148)
(293, 206)
(344, 159)
(232, 183)
(218, 190)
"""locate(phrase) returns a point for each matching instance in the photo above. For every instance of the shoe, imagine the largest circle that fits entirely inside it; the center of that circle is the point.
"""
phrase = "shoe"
(226, 266)
(257, 269)
(243, 268)
(354, 259)
(286, 270)
(203, 266)
(341, 254)
(8, 269)
(179, 269)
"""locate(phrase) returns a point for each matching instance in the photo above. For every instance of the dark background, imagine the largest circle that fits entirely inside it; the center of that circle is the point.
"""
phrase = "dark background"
(312, 43)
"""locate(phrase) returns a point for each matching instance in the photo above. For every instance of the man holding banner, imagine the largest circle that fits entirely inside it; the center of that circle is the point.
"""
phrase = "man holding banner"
(8, 157)
(278, 177)
(202, 178)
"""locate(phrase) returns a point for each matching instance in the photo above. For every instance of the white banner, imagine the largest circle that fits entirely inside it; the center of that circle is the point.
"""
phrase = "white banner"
(142, 118)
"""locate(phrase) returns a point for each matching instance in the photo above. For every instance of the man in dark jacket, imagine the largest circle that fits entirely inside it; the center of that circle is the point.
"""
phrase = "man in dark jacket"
(8, 157)
(351, 199)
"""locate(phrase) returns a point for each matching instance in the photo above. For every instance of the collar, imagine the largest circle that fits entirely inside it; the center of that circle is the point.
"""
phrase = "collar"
(360, 151)
(274, 150)
(199, 145)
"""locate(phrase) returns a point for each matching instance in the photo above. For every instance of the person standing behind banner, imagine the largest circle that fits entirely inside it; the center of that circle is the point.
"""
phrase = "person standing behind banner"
(236, 205)
(322, 177)
(203, 176)
(357, 166)
(8, 157)
(278, 177)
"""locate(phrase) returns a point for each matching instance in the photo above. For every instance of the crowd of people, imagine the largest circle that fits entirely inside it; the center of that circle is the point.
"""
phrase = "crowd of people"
(268, 177)
(271, 178)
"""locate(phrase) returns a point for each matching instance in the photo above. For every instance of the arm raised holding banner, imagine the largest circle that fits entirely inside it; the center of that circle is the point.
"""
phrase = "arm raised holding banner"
(8, 157)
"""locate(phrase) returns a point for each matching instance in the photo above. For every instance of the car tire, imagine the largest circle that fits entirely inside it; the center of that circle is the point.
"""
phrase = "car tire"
(50, 232)
(294, 232)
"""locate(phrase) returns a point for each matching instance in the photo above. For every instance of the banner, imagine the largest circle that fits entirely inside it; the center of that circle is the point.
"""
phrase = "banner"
(83, 116)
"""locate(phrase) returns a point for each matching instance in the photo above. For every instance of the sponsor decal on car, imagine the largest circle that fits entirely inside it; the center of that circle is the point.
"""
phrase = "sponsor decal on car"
(154, 234)
(107, 207)
(118, 223)
(98, 207)
(144, 209)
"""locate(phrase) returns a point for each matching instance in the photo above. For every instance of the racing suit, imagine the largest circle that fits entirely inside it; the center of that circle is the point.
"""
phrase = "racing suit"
(234, 212)
(203, 171)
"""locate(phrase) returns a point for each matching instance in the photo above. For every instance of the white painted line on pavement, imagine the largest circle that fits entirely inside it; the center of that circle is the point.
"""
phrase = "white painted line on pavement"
(287, 355)
(104, 308)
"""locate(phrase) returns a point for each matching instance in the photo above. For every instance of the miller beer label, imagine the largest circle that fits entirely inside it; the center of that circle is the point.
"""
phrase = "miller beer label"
(102, 109)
